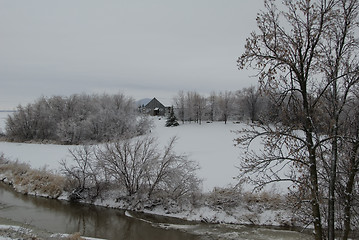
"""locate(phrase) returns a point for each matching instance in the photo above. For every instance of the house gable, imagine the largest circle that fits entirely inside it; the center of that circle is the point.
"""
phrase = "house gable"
(155, 108)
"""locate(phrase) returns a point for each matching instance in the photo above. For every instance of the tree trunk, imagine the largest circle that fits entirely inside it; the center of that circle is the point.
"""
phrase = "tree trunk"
(332, 181)
(315, 194)
(308, 129)
(333, 165)
(348, 197)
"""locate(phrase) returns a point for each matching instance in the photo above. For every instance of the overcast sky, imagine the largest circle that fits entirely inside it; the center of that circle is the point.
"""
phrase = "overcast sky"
(142, 48)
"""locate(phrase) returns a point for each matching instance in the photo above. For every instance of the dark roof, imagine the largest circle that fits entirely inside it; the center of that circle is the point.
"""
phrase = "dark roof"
(154, 103)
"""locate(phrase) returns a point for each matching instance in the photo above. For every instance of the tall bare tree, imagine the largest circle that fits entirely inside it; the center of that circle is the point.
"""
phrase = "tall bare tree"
(225, 102)
(339, 64)
(251, 102)
(307, 50)
(212, 105)
(179, 101)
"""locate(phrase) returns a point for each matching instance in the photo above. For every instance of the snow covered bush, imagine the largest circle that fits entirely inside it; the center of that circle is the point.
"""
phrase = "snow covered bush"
(134, 168)
(76, 119)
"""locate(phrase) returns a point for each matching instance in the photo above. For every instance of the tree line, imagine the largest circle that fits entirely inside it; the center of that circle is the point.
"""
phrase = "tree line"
(242, 105)
(76, 119)
(251, 104)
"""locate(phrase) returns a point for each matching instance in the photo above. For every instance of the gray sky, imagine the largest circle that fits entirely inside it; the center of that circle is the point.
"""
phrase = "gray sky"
(142, 48)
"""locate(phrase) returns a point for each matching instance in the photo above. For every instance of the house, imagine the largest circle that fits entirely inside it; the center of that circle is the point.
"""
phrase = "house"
(156, 108)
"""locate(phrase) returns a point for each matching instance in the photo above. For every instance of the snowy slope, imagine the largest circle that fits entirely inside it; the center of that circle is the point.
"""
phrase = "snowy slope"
(210, 144)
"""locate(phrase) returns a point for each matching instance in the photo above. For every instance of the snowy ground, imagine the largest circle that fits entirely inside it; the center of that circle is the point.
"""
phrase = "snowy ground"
(9, 232)
(210, 144)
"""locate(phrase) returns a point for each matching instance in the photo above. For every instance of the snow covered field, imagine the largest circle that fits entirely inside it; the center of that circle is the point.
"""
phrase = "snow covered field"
(210, 144)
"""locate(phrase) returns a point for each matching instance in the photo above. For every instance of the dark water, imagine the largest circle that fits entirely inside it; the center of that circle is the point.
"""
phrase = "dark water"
(65, 217)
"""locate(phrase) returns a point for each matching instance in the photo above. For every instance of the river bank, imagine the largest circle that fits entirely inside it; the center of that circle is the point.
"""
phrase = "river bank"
(222, 205)
(201, 224)
(12, 230)
(64, 217)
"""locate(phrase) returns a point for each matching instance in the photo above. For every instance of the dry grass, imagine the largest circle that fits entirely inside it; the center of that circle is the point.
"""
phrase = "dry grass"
(233, 197)
(269, 200)
(31, 181)
(225, 197)
(75, 236)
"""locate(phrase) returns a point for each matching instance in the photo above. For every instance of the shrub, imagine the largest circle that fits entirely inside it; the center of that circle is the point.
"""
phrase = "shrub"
(137, 167)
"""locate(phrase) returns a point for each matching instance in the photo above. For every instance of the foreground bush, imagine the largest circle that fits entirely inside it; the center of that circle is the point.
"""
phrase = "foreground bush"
(136, 168)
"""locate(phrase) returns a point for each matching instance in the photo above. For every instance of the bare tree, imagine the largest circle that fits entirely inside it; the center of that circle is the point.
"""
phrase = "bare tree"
(128, 162)
(293, 48)
(348, 165)
(180, 105)
(338, 64)
(135, 165)
(199, 104)
(190, 108)
(84, 175)
(226, 101)
(212, 106)
(251, 102)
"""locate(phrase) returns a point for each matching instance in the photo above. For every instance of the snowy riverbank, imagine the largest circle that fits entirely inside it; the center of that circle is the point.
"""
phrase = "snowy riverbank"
(209, 144)
(13, 232)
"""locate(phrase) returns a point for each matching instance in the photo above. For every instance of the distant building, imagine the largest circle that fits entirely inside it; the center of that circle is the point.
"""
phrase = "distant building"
(156, 108)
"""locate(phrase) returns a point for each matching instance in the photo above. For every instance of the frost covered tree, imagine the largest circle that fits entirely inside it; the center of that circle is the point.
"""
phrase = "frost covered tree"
(190, 106)
(180, 103)
(77, 119)
(142, 168)
(199, 106)
(84, 175)
(212, 106)
(306, 54)
(225, 105)
(251, 102)
(134, 168)
(248, 103)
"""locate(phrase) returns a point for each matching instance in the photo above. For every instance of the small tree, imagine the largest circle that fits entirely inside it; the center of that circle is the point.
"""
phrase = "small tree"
(83, 174)
(172, 119)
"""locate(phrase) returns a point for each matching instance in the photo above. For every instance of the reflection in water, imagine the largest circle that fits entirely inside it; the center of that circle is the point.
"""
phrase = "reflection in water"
(65, 217)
